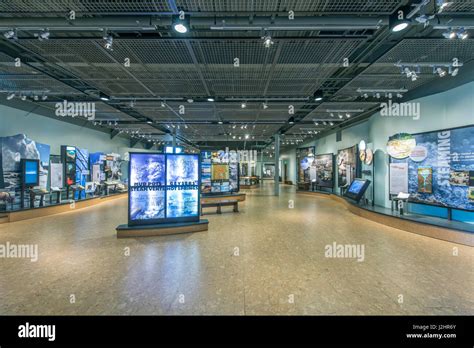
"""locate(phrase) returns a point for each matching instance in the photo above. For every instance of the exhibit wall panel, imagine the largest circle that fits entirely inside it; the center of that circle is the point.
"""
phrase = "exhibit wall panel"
(56, 132)
(450, 109)
(289, 157)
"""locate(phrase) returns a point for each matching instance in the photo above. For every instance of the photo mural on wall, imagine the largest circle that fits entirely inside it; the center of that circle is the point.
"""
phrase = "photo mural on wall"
(13, 149)
(346, 165)
(440, 165)
(304, 160)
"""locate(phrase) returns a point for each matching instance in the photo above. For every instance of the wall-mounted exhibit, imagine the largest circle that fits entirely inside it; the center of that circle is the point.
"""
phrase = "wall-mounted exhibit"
(219, 172)
(305, 170)
(434, 167)
(347, 166)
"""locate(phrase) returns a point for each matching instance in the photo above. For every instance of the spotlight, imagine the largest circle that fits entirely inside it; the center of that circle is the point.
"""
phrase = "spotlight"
(43, 35)
(449, 34)
(10, 96)
(348, 115)
(399, 95)
(44, 97)
(246, 136)
(104, 96)
(190, 100)
(366, 95)
(243, 105)
(220, 122)
(181, 26)
(267, 41)
(291, 120)
(339, 115)
(462, 34)
(331, 123)
(397, 24)
(318, 95)
(331, 114)
(10, 34)
(162, 104)
(23, 97)
(455, 72)
(377, 95)
(109, 41)
(210, 99)
(35, 98)
(265, 106)
(414, 77)
(440, 72)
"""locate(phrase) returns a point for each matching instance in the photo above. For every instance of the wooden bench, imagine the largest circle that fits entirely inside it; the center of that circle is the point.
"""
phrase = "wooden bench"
(220, 204)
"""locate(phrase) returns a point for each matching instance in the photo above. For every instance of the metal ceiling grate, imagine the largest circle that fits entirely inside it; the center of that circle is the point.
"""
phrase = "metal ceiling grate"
(341, 6)
(95, 6)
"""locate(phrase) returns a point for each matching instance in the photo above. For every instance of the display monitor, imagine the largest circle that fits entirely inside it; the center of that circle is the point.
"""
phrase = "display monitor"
(30, 171)
(357, 189)
(163, 188)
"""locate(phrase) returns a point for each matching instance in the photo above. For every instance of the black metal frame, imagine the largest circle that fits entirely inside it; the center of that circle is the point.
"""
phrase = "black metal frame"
(165, 219)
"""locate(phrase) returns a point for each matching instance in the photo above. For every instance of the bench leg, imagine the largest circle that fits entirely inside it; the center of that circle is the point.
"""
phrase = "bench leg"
(236, 207)
(219, 209)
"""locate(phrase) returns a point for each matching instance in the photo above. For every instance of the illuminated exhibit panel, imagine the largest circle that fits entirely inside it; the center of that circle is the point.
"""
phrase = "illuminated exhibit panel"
(347, 165)
(30, 172)
(305, 160)
(439, 166)
(163, 188)
(219, 172)
(324, 170)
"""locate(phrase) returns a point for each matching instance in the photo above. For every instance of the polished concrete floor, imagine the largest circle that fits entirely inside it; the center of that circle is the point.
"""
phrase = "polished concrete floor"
(267, 259)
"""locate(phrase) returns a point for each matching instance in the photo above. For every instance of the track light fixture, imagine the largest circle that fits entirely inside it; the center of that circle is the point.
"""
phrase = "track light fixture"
(10, 96)
(291, 120)
(43, 35)
(397, 23)
(318, 95)
(180, 24)
(267, 41)
(243, 105)
(104, 96)
(109, 42)
(10, 34)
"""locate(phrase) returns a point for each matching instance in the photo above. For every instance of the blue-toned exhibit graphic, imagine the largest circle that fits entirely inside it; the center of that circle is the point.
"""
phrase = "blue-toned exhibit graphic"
(82, 170)
(450, 155)
(356, 186)
(13, 149)
(31, 172)
(163, 188)
(147, 181)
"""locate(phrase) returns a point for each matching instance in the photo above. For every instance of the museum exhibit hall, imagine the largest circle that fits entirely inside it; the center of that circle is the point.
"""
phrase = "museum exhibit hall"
(181, 159)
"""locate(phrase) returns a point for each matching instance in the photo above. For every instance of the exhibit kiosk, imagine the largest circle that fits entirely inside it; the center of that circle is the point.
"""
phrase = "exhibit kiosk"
(163, 195)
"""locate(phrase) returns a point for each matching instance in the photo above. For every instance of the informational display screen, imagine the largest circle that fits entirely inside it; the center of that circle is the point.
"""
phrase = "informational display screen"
(439, 167)
(30, 173)
(163, 188)
(357, 189)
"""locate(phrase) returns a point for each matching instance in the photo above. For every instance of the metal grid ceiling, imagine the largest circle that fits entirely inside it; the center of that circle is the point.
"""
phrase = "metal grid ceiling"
(51, 6)
(147, 6)
(382, 6)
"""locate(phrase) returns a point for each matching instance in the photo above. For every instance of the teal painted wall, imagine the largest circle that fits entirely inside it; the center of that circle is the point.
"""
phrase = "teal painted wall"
(453, 108)
(56, 133)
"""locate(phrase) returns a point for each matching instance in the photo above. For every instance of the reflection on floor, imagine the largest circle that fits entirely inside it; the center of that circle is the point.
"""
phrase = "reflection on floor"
(267, 259)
